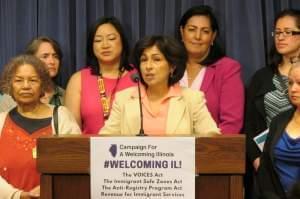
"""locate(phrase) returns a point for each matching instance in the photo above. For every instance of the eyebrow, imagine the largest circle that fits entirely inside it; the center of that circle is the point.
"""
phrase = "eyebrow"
(190, 25)
(152, 54)
(18, 76)
(49, 53)
(287, 28)
(114, 34)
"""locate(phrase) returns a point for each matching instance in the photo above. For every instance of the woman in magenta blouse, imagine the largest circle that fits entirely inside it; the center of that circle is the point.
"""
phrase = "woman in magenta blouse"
(90, 91)
(209, 70)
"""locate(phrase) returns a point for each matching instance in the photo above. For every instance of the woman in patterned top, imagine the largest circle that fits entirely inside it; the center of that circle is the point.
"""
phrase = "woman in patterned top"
(267, 92)
(26, 79)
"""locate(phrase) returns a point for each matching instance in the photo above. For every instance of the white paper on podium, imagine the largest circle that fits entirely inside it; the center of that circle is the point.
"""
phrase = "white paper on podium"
(142, 167)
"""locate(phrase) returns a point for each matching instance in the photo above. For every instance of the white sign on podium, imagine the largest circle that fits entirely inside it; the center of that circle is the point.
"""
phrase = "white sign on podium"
(142, 167)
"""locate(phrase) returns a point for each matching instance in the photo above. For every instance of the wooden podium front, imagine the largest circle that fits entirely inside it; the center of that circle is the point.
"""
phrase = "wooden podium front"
(64, 163)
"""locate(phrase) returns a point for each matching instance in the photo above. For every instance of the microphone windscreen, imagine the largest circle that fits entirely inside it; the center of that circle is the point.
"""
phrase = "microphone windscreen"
(135, 77)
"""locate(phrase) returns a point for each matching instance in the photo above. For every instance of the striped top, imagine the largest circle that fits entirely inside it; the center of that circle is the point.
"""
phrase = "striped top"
(277, 100)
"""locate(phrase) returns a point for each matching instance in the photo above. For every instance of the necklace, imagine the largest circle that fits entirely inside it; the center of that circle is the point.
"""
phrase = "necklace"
(104, 98)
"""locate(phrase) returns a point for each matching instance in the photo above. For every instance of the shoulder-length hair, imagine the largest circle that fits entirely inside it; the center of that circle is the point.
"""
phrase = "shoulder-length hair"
(12, 66)
(215, 52)
(173, 51)
(33, 46)
(92, 61)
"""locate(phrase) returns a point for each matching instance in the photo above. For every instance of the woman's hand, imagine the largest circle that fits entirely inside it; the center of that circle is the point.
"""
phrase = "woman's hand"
(24, 195)
(33, 194)
(256, 163)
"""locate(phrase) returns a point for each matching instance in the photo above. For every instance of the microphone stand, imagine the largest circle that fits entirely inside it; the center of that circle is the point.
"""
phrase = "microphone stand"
(141, 133)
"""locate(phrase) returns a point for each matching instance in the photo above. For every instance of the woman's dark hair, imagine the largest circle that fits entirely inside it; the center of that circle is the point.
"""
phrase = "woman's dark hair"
(275, 57)
(216, 52)
(12, 66)
(92, 61)
(173, 51)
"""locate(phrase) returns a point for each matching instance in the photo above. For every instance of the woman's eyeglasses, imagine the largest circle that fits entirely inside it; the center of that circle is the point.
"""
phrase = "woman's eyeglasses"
(286, 33)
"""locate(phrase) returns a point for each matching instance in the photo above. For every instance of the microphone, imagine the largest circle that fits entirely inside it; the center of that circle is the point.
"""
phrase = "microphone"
(136, 78)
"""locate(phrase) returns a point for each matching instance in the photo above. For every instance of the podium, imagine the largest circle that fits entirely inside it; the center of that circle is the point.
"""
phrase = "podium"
(64, 164)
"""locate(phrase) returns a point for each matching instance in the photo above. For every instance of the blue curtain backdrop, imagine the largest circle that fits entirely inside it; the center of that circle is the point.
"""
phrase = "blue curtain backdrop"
(245, 26)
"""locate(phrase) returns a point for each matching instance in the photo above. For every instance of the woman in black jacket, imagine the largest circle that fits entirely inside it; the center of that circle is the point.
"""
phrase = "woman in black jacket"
(280, 161)
(267, 92)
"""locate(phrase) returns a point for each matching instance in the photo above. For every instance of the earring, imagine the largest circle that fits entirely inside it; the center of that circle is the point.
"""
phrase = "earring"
(212, 43)
(171, 73)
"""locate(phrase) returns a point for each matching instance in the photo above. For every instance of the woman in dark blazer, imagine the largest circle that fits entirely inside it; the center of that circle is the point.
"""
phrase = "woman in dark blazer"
(267, 91)
(280, 161)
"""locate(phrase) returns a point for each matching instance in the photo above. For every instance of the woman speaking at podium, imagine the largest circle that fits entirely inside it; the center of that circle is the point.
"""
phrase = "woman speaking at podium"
(166, 108)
